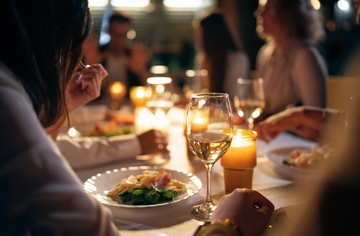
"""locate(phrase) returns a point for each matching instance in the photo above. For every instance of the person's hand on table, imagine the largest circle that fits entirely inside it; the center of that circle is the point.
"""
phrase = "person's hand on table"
(152, 141)
(84, 86)
(247, 208)
(304, 121)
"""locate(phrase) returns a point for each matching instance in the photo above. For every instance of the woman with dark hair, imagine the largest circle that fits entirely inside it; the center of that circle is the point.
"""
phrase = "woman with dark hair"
(293, 70)
(223, 58)
(40, 50)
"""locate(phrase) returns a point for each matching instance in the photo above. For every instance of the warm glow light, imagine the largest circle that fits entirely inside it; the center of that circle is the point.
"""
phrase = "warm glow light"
(159, 80)
(160, 88)
(330, 25)
(183, 3)
(159, 114)
(131, 34)
(262, 2)
(316, 4)
(98, 3)
(148, 93)
(131, 3)
(204, 72)
(190, 73)
(159, 70)
(117, 87)
(343, 5)
(202, 102)
(241, 113)
(72, 132)
(256, 113)
(140, 93)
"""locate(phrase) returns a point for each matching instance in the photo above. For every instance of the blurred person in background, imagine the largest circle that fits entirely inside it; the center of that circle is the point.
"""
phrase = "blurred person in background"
(40, 194)
(222, 57)
(124, 63)
(246, 212)
(293, 69)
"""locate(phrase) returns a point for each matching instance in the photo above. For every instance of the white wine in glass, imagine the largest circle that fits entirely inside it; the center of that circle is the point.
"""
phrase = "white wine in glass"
(249, 99)
(208, 141)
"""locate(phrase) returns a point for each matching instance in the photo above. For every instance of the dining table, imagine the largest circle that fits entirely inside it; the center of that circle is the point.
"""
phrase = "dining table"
(175, 219)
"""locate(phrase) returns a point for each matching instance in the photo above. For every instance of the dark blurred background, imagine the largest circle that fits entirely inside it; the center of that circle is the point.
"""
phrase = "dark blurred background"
(166, 27)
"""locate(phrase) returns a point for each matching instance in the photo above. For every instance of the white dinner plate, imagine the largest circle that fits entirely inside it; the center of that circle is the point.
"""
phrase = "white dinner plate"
(98, 185)
(278, 156)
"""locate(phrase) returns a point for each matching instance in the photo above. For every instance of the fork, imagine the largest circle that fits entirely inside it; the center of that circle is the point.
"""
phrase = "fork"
(82, 65)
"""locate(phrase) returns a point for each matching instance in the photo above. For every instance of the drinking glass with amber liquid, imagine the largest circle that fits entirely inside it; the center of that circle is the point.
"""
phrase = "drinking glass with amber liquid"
(209, 143)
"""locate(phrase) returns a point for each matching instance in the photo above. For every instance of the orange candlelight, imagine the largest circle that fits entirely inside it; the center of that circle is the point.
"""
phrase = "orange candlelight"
(117, 92)
(198, 123)
(240, 160)
(139, 96)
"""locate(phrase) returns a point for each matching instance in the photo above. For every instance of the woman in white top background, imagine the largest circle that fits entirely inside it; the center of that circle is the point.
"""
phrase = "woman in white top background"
(292, 67)
(222, 57)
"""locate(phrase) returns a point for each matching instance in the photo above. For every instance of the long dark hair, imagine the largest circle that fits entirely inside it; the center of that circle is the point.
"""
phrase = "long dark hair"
(217, 41)
(42, 45)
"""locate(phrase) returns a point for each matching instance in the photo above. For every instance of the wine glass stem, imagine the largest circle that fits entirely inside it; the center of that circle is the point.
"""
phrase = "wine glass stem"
(208, 199)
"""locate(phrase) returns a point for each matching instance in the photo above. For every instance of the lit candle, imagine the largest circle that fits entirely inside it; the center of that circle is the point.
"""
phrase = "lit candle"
(145, 120)
(117, 92)
(198, 123)
(240, 160)
(139, 96)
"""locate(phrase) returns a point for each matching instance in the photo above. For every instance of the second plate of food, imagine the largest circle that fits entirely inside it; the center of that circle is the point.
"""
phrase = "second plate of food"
(101, 184)
(283, 163)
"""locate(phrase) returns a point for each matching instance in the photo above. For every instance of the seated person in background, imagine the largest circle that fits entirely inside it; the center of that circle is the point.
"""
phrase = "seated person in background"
(223, 58)
(324, 211)
(293, 70)
(124, 63)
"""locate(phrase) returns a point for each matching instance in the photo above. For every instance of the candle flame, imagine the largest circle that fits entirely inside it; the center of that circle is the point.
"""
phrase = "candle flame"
(117, 87)
(140, 93)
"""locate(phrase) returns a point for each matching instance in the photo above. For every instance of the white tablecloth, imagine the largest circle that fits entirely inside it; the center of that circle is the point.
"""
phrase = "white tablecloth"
(175, 219)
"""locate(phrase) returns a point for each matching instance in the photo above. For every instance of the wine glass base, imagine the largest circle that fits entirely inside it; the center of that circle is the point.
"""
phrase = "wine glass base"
(202, 212)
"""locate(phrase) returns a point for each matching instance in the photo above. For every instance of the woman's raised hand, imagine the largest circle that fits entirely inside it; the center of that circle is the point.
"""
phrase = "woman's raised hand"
(84, 86)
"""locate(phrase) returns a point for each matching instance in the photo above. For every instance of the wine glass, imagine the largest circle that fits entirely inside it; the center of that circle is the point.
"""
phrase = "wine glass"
(160, 101)
(249, 99)
(208, 116)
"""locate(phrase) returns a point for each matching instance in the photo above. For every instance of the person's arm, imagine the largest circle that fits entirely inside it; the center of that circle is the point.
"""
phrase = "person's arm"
(90, 151)
(304, 121)
(43, 195)
(309, 77)
(83, 87)
(308, 122)
(248, 209)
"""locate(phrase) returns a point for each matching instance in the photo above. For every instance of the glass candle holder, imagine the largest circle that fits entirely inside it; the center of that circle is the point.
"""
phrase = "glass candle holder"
(240, 160)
